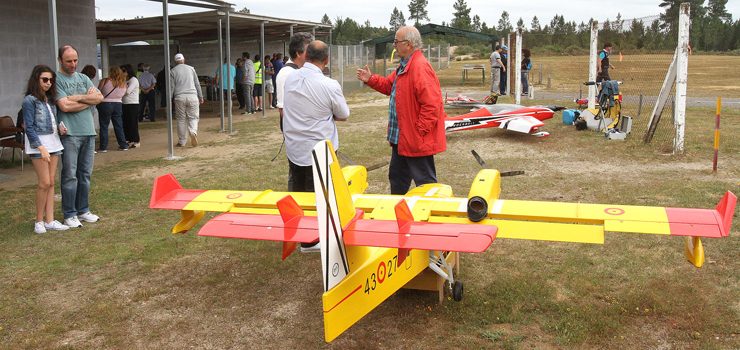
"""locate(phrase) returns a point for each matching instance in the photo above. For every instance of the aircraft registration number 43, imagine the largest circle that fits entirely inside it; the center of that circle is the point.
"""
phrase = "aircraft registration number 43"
(384, 271)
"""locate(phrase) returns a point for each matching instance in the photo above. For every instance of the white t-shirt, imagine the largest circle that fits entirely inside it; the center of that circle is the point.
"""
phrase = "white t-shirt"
(280, 83)
(50, 141)
(495, 57)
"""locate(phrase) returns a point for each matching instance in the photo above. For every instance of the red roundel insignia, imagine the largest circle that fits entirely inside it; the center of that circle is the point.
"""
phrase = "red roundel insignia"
(614, 211)
(381, 276)
(233, 195)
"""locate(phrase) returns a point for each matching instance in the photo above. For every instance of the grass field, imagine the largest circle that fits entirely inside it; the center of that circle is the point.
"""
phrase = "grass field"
(125, 282)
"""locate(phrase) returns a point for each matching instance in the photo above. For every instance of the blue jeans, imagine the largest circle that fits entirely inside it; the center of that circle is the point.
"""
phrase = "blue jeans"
(107, 112)
(77, 166)
(404, 169)
(525, 81)
(148, 99)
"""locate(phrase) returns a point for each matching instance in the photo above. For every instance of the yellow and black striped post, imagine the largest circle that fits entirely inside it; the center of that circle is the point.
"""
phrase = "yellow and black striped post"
(716, 135)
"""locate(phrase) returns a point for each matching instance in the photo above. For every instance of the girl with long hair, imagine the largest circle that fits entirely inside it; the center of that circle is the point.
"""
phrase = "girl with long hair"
(43, 145)
(111, 109)
(131, 107)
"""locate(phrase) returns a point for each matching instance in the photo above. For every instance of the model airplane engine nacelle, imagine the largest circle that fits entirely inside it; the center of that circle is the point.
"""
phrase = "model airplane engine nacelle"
(485, 189)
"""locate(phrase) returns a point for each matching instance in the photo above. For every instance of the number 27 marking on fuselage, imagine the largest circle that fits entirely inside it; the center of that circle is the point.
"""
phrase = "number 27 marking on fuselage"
(384, 271)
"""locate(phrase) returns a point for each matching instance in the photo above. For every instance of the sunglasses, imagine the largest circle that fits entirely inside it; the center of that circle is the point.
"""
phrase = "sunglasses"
(396, 42)
(46, 80)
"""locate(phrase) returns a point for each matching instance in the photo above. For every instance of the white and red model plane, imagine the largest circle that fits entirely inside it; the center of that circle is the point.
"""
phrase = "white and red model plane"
(512, 117)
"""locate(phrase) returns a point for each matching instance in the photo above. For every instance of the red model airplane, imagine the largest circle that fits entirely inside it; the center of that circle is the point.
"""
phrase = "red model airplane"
(512, 117)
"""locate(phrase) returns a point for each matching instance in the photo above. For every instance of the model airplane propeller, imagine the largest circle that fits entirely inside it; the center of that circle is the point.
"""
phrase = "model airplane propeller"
(373, 245)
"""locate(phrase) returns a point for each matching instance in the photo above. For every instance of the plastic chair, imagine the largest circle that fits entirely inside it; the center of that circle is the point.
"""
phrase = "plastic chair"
(8, 131)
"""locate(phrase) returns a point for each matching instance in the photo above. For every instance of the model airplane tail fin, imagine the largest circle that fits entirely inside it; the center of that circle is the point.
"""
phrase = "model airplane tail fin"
(334, 211)
(724, 211)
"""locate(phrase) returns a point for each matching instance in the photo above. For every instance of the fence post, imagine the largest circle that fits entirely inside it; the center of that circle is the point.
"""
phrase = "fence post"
(682, 70)
(592, 64)
(439, 56)
(341, 66)
(539, 81)
(518, 68)
(716, 135)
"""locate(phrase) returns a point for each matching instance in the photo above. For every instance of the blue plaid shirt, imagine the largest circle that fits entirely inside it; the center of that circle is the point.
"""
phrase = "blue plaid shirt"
(392, 116)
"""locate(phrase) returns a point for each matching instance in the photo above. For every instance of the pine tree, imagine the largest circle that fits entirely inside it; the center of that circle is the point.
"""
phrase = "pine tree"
(504, 24)
(520, 25)
(324, 20)
(461, 19)
(397, 19)
(717, 9)
(476, 23)
(535, 26)
(418, 11)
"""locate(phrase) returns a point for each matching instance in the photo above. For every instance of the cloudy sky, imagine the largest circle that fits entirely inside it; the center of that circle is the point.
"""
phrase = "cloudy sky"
(439, 10)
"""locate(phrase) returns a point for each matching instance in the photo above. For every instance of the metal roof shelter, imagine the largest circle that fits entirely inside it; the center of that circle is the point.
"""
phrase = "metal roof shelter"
(200, 27)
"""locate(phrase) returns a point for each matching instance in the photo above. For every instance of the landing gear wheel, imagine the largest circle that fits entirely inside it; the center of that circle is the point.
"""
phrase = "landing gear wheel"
(457, 291)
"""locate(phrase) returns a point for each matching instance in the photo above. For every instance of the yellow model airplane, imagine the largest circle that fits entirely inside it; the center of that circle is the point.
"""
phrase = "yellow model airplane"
(373, 245)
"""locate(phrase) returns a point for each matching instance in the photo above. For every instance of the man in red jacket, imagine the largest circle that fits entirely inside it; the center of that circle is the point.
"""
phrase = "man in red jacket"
(416, 128)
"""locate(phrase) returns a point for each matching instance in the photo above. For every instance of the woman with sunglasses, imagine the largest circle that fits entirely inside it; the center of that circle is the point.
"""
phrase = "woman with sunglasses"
(42, 143)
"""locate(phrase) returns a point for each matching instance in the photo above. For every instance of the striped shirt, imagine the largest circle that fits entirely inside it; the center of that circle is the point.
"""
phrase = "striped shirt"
(393, 129)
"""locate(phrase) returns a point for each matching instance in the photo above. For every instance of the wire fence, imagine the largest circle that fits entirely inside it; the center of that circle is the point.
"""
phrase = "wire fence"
(345, 59)
(642, 75)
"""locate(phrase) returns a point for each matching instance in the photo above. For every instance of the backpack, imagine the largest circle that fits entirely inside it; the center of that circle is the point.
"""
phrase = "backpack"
(20, 124)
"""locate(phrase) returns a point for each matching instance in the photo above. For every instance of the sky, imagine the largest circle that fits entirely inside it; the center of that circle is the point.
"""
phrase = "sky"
(439, 10)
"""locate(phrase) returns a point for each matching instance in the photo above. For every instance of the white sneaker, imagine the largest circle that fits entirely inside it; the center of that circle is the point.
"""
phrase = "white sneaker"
(39, 228)
(88, 217)
(193, 139)
(308, 248)
(56, 226)
(72, 222)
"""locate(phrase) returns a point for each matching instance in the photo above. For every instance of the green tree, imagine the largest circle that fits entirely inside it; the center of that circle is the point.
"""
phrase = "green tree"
(397, 19)
(717, 9)
(418, 11)
(324, 20)
(520, 25)
(504, 24)
(461, 16)
(476, 23)
(535, 26)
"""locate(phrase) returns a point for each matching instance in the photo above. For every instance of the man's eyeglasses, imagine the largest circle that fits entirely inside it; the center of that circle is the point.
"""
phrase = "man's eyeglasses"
(396, 42)
(46, 80)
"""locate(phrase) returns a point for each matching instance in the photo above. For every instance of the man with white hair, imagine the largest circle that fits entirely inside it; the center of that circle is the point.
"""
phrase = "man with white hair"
(187, 96)
(416, 128)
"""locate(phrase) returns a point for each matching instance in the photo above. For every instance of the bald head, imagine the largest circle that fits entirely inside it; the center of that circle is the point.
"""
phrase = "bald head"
(317, 53)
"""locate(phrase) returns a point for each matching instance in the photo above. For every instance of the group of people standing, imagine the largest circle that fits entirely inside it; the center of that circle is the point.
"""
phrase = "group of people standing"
(499, 61)
(249, 75)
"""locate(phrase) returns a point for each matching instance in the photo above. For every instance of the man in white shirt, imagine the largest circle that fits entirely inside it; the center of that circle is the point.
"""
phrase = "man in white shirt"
(297, 50)
(313, 102)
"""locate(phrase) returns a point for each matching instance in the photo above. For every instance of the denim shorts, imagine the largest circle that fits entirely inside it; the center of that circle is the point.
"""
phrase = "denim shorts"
(38, 155)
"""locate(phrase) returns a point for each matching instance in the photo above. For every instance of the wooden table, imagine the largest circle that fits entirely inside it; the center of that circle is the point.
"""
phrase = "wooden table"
(468, 67)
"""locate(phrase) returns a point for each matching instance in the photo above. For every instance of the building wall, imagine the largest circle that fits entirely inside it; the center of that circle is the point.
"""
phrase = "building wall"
(25, 42)
(203, 57)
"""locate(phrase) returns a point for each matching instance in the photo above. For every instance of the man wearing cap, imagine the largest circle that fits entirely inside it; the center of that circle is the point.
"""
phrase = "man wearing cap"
(497, 67)
(504, 62)
(187, 96)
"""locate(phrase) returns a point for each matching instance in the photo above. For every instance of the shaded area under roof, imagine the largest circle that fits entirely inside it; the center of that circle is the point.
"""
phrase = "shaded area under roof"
(430, 28)
(203, 26)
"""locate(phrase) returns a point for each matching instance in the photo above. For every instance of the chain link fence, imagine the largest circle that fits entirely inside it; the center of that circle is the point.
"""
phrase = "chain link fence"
(641, 73)
(345, 59)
